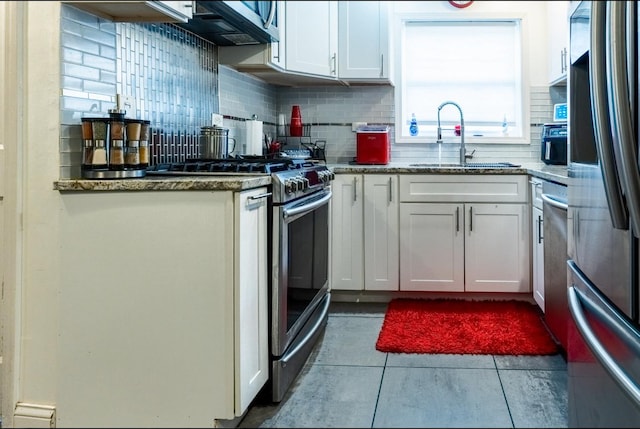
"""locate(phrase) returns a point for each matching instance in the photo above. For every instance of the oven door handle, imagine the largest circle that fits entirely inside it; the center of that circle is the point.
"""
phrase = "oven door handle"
(307, 207)
(312, 331)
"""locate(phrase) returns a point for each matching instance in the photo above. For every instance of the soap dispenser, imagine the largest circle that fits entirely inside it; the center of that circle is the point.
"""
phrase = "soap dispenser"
(413, 127)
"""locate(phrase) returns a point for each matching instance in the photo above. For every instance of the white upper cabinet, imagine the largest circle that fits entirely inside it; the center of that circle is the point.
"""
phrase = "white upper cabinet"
(558, 33)
(138, 11)
(364, 41)
(312, 37)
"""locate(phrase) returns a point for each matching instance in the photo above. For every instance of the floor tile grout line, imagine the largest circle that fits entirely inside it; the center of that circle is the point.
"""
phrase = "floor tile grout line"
(504, 394)
(375, 408)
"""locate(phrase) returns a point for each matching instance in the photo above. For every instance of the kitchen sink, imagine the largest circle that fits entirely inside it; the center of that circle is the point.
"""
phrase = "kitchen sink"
(491, 165)
(467, 165)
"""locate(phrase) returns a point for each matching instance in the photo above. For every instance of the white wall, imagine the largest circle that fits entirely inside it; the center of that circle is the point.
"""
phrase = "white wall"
(31, 235)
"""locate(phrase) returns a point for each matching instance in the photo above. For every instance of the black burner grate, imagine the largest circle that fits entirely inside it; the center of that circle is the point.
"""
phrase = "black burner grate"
(242, 164)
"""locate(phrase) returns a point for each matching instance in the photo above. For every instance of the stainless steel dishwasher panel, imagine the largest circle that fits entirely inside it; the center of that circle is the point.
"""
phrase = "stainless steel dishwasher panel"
(554, 198)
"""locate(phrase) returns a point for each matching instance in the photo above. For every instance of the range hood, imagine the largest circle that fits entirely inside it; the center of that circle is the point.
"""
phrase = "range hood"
(229, 23)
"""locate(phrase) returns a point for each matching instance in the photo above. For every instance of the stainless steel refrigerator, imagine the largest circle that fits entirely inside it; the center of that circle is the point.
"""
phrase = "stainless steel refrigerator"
(603, 217)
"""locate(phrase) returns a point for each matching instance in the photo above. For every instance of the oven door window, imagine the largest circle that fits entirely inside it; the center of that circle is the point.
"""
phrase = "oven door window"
(307, 260)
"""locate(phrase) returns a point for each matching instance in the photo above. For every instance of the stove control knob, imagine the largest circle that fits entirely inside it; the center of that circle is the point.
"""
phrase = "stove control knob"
(297, 186)
(290, 186)
(303, 183)
(332, 175)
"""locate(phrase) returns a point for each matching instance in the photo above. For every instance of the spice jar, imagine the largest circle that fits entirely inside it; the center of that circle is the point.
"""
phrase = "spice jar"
(100, 130)
(131, 149)
(87, 143)
(116, 142)
(143, 148)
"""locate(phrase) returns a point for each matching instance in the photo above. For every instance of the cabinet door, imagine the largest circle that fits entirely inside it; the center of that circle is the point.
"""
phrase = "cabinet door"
(364, 43)
(251, 319)
(432, 247)
(558, 24)
(277, 49)
(137, 11)
(497, 248)
(537, 257)
(347, 257)
(181, 8)
(381, 241)
(312, 37)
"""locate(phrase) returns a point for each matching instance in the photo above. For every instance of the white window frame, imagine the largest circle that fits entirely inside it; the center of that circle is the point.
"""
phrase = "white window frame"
(430, 137)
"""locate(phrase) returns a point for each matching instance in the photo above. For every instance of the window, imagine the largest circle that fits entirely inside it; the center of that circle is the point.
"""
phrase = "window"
(475, 63)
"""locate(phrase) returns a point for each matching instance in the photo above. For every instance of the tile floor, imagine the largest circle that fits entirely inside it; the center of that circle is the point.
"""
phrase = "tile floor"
(346, 382)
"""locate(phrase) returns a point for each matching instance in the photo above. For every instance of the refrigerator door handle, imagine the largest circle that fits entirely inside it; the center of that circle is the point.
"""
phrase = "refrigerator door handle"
(576, 300)
(601, 120)
(620, 109)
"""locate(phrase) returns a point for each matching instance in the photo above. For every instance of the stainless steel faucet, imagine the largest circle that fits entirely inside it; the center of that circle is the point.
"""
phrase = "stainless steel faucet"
(463, 153)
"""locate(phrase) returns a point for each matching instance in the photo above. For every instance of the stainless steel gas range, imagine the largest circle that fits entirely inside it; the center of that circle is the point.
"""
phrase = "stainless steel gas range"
(298, 252)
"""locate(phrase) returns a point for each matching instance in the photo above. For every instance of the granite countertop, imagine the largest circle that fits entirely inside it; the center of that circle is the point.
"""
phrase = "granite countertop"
(166, 183)
(555, 173)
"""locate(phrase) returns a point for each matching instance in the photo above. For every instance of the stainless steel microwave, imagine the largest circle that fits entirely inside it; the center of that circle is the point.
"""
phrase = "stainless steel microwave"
(227, 23)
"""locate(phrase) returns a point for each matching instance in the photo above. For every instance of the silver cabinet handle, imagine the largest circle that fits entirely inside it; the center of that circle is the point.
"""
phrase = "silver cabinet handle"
(355, 193)
(333, 63)
(390, 189)
(540, 229)
(260, 196)
(381, 65)
(470, 219)
(255, 201)
(457, 219)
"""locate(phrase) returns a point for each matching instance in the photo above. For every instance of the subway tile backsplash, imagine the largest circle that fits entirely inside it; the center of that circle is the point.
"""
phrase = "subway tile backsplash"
(177, 83)
(171, 73)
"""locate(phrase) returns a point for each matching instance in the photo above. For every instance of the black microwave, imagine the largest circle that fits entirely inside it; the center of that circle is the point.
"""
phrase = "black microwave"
(553, 147)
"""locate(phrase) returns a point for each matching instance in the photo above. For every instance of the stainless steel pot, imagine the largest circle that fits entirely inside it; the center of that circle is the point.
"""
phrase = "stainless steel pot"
(214, 143)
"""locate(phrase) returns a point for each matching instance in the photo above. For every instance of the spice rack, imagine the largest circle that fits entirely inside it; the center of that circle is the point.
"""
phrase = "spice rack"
(114, 147)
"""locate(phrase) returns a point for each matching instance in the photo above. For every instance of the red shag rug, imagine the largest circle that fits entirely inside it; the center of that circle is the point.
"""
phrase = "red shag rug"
(451, 326)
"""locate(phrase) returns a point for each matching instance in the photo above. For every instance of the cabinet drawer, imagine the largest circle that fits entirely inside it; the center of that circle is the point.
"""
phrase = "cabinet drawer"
(509, 188)
(536, 192)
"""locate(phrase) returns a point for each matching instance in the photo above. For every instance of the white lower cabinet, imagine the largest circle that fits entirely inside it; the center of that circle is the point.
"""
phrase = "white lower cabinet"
(464, 233)
(381, 239)
(537, 244)
(364, 232)
(496, 248)
(163, 307)
(347, 232)
(432, 247)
